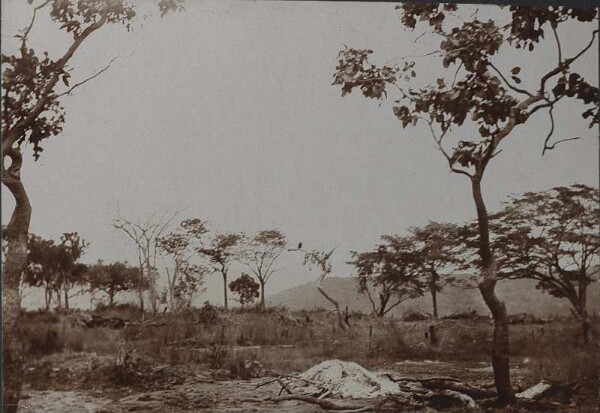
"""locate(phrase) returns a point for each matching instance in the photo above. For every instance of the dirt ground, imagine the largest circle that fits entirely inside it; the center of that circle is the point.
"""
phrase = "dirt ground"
(79, 385)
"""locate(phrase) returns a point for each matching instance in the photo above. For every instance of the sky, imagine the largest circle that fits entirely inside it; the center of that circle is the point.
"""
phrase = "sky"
(226, 111)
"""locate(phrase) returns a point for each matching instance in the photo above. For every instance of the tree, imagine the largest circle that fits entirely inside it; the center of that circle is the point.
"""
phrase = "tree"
(245, 288)
(260, 255)
(31, 113)
(551, 237)
(41, 268)
(71, 273)
(112, 278)
(184, 278)
(438, 252)
(145, 236)
(321, 260)
(391, 270)
(221, 252)
(479, 91)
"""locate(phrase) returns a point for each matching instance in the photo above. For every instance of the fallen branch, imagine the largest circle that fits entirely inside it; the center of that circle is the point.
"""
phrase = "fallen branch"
(323, 403)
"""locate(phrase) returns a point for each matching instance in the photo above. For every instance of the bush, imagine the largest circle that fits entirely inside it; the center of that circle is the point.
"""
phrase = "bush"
(208, 314)
(216, 356)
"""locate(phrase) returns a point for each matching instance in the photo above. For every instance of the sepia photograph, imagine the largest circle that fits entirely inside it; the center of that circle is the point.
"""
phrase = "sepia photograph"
(300, 206)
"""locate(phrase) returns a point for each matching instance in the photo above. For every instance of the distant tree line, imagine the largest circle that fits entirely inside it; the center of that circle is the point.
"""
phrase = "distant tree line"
(550, 237)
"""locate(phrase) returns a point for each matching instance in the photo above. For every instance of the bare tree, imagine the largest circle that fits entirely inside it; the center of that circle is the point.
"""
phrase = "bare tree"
(145, 236)
(321, 260)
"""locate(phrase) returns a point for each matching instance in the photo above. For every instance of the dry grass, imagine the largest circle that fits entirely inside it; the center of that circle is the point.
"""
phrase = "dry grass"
(291, 343)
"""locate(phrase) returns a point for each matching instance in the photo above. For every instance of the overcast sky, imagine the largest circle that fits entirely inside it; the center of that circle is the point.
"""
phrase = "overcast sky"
(226, 111)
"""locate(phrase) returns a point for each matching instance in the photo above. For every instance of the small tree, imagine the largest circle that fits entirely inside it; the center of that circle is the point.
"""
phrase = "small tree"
(71, 272)
(438, 252)
(479, 89)
(321, 259)
(222, 250)
(551, 237)
(245, 288)
(390, 270)
(112, 279)
(41, 268)
(260, 255)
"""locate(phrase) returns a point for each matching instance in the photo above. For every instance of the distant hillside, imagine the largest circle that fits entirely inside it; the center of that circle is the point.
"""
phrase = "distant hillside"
(520, 296)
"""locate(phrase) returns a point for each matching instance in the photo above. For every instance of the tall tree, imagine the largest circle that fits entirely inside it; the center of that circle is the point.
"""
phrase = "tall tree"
(551, 237)
(112, 278)
(145, 235)
(32, 87)
(221, 251)
(260, 255)
(477, 88)
(391, 270)
(245, 288)
(184, 278)
(438, 253)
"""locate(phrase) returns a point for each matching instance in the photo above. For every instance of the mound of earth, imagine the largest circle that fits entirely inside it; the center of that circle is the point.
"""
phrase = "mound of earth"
(344, 379)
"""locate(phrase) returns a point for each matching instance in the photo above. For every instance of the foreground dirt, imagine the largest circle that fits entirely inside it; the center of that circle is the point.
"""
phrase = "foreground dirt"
(85, 383)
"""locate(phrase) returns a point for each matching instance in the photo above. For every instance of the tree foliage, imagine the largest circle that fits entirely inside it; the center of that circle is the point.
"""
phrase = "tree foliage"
(184, 278)
(439, 254)
(245, 288)
(112, 278)
(551, 237)
(260, 254)
(391, 269)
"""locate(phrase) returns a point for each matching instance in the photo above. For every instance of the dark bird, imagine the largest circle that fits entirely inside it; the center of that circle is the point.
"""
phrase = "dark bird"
(299, 245)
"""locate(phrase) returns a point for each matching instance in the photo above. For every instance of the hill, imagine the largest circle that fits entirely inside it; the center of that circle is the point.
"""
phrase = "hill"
(520, 296)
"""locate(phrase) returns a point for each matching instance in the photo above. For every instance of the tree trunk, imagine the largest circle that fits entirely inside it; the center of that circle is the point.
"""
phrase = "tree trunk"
(262, 293)
(16, 233)
(47, 298)
(500, 343)
(582, 309)
(141, 291)
(111, 299)
(225, 289)
(66, 291)
(152, 283)
(434, 301)
(341, 319)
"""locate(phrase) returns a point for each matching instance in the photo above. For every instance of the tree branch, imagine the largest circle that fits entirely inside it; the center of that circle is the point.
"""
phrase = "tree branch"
(68, 92)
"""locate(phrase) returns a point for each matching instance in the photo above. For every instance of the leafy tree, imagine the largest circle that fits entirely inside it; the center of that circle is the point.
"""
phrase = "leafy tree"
(183, 278)
(391, 270)
(245, 288)
(71, 273)
(438, 252)
(112, 278)
(41, 270)
(32, 87)
(260, 255)
(551, 237)
(477, 89)
(221, 251)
